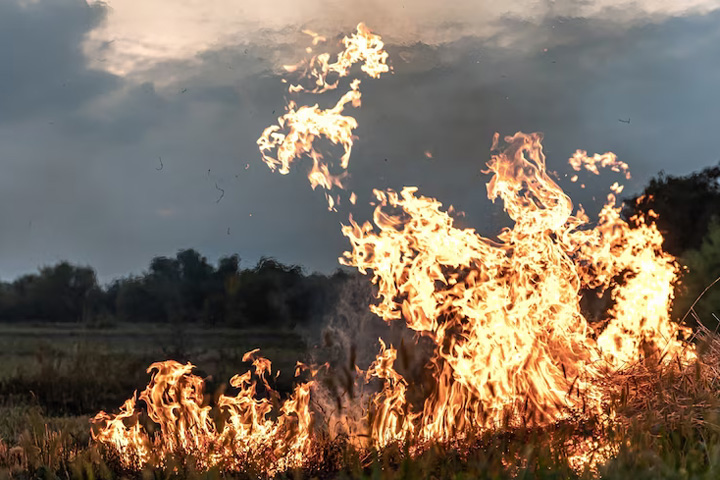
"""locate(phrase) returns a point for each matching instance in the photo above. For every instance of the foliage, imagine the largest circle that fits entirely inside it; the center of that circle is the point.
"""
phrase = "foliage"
(63, 293)
(183, 289)
(703, 269)
(685, 206)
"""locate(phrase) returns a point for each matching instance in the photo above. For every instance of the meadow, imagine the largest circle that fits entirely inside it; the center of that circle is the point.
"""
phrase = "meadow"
(54, 378)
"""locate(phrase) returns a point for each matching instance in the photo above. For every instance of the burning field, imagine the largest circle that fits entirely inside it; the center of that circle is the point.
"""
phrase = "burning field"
(504, 364)
(511, 345)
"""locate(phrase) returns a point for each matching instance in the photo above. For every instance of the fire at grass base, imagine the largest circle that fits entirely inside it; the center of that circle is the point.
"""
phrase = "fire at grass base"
(667, 425)
(511, 349)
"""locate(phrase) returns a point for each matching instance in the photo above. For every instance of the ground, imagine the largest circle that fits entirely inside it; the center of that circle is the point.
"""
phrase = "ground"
(53, 379)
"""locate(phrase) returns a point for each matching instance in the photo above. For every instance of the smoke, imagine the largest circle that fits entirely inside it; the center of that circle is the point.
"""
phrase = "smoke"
(346, 341)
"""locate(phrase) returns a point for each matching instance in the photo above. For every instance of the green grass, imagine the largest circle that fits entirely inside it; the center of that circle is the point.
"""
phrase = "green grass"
(53, 379)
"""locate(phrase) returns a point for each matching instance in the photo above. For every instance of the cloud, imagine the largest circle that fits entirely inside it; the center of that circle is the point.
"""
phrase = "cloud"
(43, 66)
(138, 34)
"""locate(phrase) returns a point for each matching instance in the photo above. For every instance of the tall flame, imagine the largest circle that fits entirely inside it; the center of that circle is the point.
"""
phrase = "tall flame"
(512, 345)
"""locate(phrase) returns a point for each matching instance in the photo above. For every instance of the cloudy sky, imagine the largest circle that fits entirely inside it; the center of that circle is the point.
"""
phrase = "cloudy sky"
(94, 94)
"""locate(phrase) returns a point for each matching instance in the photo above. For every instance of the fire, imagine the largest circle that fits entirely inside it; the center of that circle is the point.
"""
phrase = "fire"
(580, 160)
(512, 344)
(362, 46)
(253, 430)
(306, 124)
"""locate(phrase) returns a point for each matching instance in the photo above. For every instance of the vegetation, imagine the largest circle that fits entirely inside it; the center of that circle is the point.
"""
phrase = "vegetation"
(688, 215)
(70, 347)
(184, 289)
(667, 428)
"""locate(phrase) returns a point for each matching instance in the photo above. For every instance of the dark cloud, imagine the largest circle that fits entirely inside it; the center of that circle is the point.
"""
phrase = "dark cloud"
(87, 188)
(43, 66)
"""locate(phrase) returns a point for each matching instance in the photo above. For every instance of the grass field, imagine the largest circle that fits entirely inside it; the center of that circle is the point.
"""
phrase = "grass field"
(70, 369)
(54, 378)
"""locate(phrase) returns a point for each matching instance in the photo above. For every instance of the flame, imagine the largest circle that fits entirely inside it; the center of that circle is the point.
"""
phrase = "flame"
(512, 345)
(252, 430)
(306, 124)
(362, 46)
(316, 37)
(581, 160)
(391, 420)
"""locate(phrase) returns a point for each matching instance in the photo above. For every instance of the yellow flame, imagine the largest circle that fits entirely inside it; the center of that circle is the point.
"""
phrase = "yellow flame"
(252, 430)
(512, 342)
(581, 160)
(305, 125)
(512, 345)
(361, 47)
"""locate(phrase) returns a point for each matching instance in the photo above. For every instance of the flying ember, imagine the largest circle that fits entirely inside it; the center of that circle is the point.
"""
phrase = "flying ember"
(511, 344)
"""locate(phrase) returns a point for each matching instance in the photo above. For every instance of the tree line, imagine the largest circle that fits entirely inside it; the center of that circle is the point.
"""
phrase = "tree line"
(184, 289)
(187, 288)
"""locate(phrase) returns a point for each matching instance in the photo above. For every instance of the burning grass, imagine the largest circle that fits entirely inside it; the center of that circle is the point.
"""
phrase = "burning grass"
(667, 426)
(516, 382)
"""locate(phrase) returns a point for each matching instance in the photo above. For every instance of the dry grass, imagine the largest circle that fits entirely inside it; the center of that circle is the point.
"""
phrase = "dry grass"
(667, 425)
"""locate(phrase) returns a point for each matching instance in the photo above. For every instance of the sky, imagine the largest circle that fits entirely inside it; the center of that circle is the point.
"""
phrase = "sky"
(128, 128)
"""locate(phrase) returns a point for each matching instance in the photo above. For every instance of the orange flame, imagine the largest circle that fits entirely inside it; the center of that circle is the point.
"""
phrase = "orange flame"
(512, 345)
(511, 341)
(363, 46)
(390, 417)
(249, 434)
(306, 124)
(580, 160)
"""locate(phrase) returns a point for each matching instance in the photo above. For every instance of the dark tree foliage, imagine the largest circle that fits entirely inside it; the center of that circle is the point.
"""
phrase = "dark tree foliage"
(703, 270)
(685, 207)
(60, 293)
(183, 289)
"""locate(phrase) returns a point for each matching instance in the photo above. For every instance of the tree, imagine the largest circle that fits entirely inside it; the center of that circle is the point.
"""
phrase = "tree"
(163, 282)
(703, 266)
(266, 292)
(221, 304)
(195, 282)
(685, 207)
(58, 293)
(135, 302)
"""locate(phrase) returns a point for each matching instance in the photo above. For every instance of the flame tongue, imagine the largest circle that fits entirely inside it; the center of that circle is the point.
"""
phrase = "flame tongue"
(511, 344)
(361, 47)
(253, 431)
(504, 317)
(511, 341)
(307, 124)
